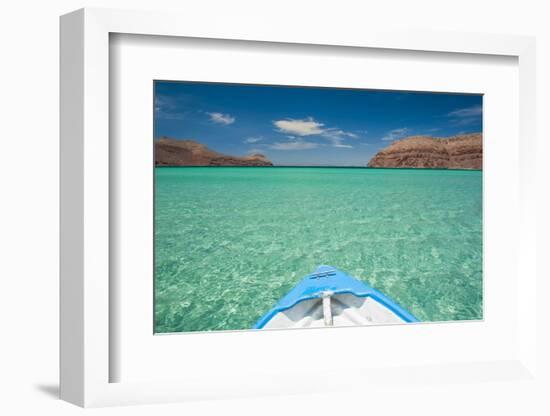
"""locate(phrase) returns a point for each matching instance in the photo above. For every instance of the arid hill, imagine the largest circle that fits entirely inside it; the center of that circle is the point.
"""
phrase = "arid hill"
(171, 152)
(457, 152)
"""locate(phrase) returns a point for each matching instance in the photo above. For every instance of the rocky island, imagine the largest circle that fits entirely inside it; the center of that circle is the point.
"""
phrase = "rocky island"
(172, 152)
(456, 152)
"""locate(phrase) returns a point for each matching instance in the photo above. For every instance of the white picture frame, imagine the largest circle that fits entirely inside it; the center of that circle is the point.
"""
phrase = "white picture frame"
(86, 355)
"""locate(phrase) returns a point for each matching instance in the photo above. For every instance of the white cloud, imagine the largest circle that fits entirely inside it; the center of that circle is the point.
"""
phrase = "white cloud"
(306, 127)
(336, 137)
(395, 134)
(167, 108)
(221, 118)
(253, 139)
(256, 151)
(474, 111)
(337, 134)
(466, 116)
(294, 145)
(310, 127)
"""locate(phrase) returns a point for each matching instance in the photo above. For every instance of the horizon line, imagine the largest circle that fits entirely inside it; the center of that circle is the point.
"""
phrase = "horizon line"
(313, 166)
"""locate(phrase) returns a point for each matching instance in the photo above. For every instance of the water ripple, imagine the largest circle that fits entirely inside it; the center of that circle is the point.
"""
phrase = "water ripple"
(229, 242)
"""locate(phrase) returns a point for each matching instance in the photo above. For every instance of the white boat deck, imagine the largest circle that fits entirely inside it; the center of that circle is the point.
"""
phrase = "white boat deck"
(338, 310)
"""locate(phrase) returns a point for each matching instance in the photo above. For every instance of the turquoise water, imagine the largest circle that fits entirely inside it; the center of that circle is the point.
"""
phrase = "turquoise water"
(229, 242)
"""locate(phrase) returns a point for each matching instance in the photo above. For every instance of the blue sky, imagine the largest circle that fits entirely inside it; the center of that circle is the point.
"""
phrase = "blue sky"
(307, 126)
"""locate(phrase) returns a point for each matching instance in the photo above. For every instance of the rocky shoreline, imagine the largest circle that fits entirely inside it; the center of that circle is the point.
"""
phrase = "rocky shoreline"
(456, 152)
(172, 152)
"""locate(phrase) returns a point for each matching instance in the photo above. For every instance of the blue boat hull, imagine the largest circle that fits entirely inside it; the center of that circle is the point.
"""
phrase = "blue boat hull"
(331, 296)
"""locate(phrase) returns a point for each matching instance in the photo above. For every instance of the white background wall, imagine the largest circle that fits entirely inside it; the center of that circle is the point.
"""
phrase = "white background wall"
(29, 193)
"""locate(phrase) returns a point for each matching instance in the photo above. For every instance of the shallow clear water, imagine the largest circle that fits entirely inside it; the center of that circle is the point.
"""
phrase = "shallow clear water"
(230, 242)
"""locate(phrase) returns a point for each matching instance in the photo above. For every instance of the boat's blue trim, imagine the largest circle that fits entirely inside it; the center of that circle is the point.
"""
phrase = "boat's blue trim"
(329, 279)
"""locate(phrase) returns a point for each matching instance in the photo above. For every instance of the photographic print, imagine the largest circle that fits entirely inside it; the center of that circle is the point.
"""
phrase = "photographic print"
(280, 207)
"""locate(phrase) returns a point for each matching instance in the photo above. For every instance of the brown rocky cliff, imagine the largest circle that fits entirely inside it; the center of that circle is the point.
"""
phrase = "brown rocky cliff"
(457, 152)
(171, 152)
